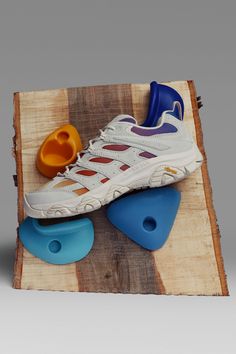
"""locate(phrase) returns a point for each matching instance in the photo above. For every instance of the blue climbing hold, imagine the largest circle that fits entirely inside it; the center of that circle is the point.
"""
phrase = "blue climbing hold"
(61, 243)
(163, 98)
(146, 217)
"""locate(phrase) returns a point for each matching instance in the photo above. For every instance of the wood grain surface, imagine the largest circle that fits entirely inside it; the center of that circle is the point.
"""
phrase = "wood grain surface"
(190, 262)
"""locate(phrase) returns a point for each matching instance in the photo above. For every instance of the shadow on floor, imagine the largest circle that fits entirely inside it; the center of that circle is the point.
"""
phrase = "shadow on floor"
(7, 257)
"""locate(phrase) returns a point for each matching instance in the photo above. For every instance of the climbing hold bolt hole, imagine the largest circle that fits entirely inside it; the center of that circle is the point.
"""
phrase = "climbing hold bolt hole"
(149, 223)
(54, 246)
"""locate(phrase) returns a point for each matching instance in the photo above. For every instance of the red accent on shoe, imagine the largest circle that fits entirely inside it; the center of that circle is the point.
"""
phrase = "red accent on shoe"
(101, 159)
(104, 180)
(116, 147)
(124, 167)
(86, 172)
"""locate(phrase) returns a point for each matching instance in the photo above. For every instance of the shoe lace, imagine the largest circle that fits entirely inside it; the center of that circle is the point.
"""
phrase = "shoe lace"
(89, 149)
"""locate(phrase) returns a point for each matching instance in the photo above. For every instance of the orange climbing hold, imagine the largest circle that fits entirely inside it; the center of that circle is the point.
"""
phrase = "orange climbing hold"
(58, 150)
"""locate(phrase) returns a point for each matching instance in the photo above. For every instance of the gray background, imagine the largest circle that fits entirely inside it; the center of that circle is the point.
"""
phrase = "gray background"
(52, 44)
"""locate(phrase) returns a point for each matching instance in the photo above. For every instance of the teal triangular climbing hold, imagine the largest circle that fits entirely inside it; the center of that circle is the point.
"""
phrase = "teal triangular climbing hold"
(146, 217)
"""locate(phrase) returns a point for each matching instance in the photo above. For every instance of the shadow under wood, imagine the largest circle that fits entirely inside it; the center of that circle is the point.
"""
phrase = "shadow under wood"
(7, 257)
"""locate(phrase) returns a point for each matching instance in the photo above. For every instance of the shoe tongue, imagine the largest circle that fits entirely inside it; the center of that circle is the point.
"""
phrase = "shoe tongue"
(124, 118)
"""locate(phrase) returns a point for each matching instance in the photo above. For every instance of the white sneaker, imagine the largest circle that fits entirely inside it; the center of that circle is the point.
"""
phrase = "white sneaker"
(124, 157)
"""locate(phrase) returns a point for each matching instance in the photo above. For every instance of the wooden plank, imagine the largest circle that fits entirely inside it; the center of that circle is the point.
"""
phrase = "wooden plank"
(185, 273)
(91, 108)
(191, 261)
(208, 190)
(115, 263)
(36, 115)
(40, 275)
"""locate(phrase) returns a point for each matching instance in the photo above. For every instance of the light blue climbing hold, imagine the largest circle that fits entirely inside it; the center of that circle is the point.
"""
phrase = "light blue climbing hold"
(60, 243)
(146, 217)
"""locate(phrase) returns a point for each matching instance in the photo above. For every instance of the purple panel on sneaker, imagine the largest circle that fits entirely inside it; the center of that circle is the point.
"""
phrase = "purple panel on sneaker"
(147, 155)
(164, 129)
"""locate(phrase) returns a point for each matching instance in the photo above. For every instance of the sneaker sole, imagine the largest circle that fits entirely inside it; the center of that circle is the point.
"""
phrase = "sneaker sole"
(155, 172)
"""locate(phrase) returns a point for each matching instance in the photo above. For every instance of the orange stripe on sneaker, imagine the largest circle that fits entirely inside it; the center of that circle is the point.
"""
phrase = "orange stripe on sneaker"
(65, 183)
(81, 191)
(86, 172)
(104, 180)
(101, 159)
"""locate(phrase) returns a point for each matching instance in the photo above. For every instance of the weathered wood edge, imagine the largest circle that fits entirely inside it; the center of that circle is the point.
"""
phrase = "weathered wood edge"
(208, 192)
(20, 209)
